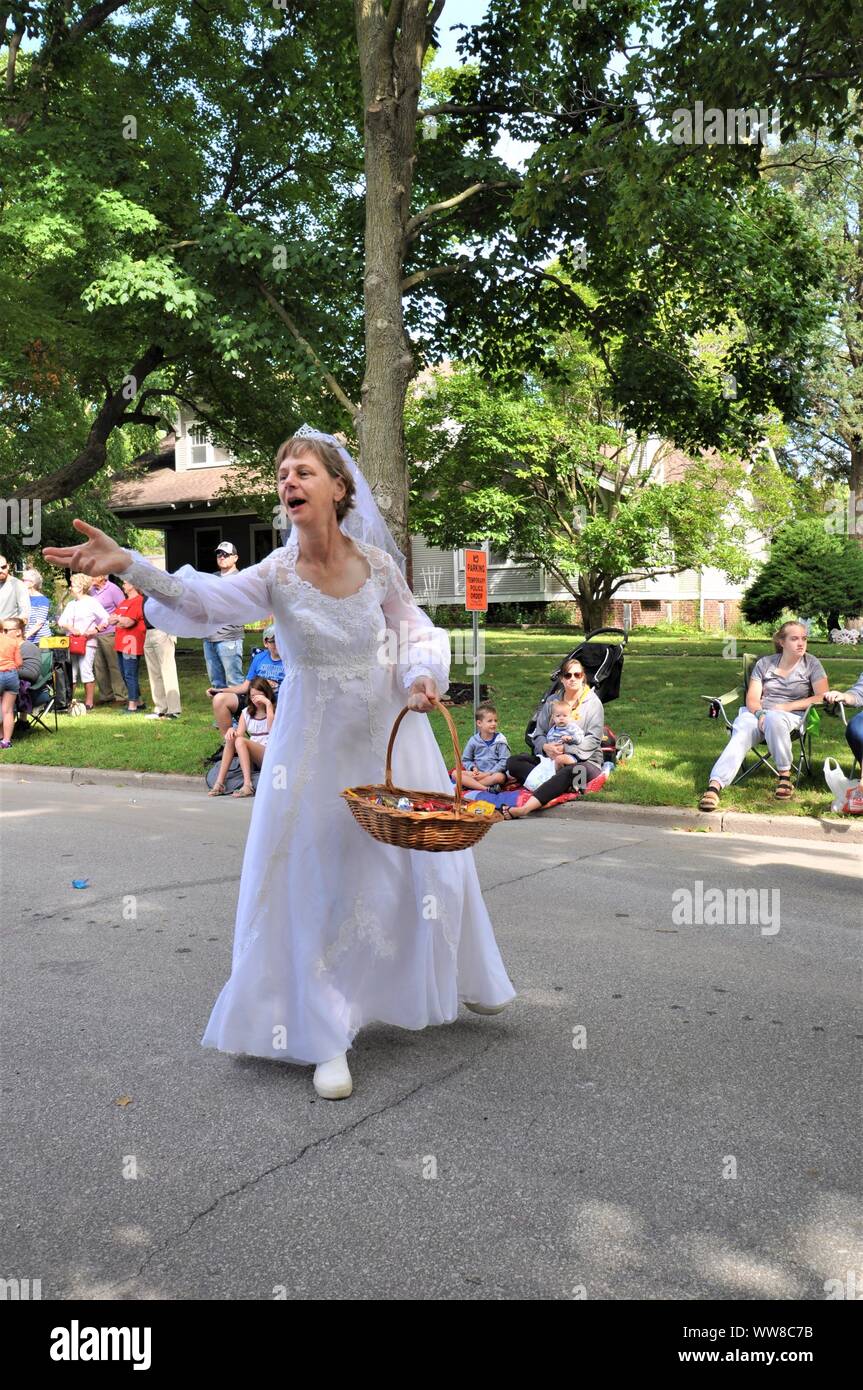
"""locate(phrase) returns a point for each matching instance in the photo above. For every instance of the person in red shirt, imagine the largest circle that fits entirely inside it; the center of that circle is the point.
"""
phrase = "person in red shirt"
(129, 643)
(10, 660)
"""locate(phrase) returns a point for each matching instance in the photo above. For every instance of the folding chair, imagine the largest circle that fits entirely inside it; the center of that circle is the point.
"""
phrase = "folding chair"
(837, 707)
(40, 709)
(803, 736)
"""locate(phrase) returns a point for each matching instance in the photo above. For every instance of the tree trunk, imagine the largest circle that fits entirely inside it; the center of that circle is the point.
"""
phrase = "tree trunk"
(855, 482)
(592, 605)
(391, 48)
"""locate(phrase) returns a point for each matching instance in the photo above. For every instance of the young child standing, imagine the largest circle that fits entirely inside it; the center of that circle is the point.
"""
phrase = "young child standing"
(10, 660)
(484, 756)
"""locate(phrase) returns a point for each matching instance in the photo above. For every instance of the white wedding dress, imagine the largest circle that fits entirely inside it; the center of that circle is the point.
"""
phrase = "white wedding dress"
(335, 930)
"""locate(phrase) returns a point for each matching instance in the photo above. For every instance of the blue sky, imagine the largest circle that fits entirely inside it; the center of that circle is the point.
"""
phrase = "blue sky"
(456, 12)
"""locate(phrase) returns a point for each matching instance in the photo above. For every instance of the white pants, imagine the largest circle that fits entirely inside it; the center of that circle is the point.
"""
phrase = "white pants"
(778, 724)
(82, 663)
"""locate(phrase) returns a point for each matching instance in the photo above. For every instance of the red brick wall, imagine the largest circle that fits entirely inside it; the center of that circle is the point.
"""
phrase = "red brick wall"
(683, 611)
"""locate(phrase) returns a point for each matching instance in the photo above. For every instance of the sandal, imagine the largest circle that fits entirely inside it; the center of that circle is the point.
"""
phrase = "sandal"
(507, 813)
(784, 787)
(244, 791)
(709, 800)
(217, 789)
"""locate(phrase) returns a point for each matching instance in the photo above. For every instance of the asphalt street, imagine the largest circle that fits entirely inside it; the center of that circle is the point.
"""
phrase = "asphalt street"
(669, 1109)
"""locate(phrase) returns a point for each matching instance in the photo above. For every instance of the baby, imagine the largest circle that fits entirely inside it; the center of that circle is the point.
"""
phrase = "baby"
(564, 729)
(485, 754)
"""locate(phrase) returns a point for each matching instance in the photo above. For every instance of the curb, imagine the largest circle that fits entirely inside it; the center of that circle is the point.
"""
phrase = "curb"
(666, 817)
(846, 832)
(96, 776)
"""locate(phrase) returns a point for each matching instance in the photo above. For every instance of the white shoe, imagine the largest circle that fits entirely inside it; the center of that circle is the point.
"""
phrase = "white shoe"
(332, 1079)
(485, 1008)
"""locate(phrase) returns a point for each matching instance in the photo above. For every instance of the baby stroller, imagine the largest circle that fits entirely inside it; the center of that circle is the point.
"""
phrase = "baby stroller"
(603, 665)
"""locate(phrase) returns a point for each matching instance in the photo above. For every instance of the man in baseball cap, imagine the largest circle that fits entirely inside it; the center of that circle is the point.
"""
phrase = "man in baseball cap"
(223, 649)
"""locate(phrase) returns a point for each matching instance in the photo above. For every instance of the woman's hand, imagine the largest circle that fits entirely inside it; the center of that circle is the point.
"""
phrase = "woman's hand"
(423, 695)
(99, 554)
(552, 750)
(230, 734)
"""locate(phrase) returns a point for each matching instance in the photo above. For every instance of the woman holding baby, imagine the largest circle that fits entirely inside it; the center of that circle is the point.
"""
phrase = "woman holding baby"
(569, 729)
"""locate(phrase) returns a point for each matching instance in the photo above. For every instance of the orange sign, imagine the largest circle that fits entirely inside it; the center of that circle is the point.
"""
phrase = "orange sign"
(476, 581)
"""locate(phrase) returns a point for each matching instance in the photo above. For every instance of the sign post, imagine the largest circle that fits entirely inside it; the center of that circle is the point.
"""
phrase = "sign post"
(476, 602)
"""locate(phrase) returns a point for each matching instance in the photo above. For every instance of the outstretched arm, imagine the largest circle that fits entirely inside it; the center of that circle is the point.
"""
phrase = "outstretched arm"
(187, 603)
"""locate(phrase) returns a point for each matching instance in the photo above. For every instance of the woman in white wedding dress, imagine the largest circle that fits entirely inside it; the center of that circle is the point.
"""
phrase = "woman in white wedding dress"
(334, 930)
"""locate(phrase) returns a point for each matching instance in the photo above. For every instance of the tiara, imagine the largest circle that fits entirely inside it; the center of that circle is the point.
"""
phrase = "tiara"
(306, 430)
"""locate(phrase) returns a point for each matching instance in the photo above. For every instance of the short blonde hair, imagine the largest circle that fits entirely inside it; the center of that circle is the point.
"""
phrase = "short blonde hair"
(82, 582)
(32, 577)
(325, 453)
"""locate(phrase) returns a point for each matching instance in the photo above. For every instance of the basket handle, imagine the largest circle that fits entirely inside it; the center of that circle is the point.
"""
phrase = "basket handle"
(388, 776)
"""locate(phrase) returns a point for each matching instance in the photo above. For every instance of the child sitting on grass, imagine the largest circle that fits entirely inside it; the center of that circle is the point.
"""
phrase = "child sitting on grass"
(249, 739)
(485, 754)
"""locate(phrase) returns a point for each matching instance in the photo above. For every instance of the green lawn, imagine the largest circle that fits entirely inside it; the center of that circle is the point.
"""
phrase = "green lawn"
(659, 707)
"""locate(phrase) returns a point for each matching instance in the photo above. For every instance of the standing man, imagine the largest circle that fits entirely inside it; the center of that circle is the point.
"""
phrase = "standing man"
(223, 649)
(14, 598)
(106, 665)
(160, 654)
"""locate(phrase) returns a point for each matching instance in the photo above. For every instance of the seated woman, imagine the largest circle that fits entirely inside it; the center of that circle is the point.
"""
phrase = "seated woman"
(781, 689)
(248, 741)
(577, 762)
(228, 704)
(853, 734)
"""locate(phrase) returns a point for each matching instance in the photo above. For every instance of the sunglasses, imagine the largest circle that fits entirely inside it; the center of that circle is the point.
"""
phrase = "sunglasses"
(571, 675)
(269, 639)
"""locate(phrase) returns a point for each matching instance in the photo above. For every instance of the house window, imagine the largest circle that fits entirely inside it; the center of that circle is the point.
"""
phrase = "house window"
(200, 446)
(650, 605)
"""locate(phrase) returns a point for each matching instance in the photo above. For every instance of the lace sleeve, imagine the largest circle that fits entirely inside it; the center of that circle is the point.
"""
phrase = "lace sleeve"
(191, 604)
(423, 649)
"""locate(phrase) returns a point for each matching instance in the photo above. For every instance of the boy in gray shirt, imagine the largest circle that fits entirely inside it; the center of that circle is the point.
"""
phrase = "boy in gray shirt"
(485, 755)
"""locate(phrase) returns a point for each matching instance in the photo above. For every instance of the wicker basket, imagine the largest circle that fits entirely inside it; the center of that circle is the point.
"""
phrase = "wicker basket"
(458, 828)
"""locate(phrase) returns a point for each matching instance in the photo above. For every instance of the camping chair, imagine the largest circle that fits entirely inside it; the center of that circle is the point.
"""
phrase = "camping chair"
(30, 707)
(837, 707)
(811, 724)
